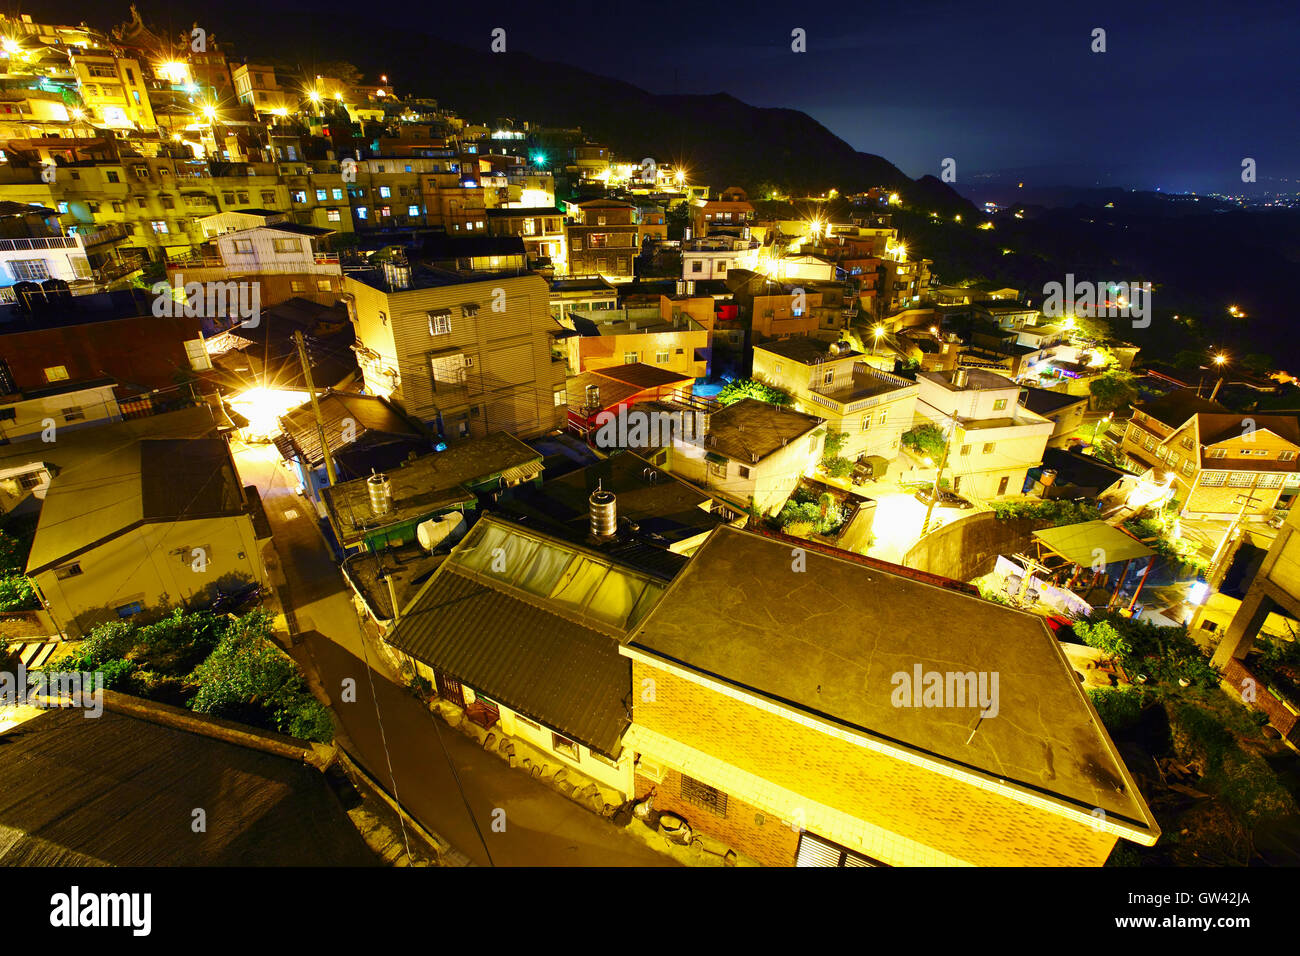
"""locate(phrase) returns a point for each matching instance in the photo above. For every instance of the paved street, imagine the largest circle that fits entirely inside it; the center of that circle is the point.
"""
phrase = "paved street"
(542, 828)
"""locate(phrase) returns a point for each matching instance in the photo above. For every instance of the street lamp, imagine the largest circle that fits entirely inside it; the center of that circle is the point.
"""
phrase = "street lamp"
(878, 332)
(1097, 426)
(1220, 360)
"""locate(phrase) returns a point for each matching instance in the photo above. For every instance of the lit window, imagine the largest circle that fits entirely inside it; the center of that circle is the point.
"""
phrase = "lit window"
(333, 215)
(56, 373)
(1000, 404)
(385, 192)
(337, 193)
(321, 195)
(412, 210)
(287, 245)
(440, 322)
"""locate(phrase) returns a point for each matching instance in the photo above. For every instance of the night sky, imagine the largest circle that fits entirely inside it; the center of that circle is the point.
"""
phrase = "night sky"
(1176, 102)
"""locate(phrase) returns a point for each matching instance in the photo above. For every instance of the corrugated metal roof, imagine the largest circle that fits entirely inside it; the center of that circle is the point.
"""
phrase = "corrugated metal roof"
(547, 668)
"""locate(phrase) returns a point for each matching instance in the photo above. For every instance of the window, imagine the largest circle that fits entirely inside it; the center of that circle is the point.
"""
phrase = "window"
(159, 226)
(197, 353)
(1208, 625)
(1213, 479)
(1285, 455)
(56, 373)
(361, 212)
(243, 197)
(560, 397)
(412, 210)
(1269, 481)
(1241, 479)
(1000, 404)
(988, 448)
(1215, 453)
(1188, 470)
(30, 270)
(296, 286)
(697, 266)
(268, 196)
(814, 851)
(243, 246)
(112, 176)
(1186, 442)
(73, 413)
(866, 423)
(662, 356)
(564, 746)
(964, 451)
(884, 418)
(68, 571)
(333, 215)
(718, 469)
(702, 795)
(744, 472)
(322, 285)
(828, 377)
(385, 192)
(386, 212)
(287, 245)
(440, 322)
(127, 610)
(321, 195)
(631, 358)
(336, 193)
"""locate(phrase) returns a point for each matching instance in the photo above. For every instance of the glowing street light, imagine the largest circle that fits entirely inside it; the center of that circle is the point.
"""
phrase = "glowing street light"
(210, 113)
(878, 331)
(1220, 360)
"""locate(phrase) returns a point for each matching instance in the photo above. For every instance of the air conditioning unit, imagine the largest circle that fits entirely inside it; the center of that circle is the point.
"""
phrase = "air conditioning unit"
(651, 771)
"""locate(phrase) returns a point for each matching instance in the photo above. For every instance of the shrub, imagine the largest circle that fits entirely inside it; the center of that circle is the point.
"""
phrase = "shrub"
(1057, 510)
(733, 392)
(1119, 709)
(837, 467)
(926, 440)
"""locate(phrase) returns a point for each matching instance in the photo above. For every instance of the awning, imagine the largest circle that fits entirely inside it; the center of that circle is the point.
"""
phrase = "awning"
(1091, 542)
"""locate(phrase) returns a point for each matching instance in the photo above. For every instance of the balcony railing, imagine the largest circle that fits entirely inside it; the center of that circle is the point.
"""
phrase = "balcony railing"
(31, 245)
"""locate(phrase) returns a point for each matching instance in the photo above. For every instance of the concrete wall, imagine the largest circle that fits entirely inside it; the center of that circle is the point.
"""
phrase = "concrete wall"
(968, 547)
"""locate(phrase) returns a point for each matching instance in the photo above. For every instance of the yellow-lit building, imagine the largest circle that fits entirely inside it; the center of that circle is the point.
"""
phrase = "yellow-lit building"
(777, 706)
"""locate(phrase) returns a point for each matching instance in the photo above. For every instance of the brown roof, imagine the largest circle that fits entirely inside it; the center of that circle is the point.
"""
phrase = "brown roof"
(750, 430)
(642, 375)
(1215, 428)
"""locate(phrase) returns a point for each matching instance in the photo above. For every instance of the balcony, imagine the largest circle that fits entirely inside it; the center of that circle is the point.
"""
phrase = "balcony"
(113, 232)
(866, 387)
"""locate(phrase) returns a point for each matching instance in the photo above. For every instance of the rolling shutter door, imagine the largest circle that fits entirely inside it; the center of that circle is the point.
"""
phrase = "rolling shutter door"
(814, 851)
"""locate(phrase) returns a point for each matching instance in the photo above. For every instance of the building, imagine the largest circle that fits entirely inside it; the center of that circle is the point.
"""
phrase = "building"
(589, 294)
(604, 241)
(594, 397)
(468, 353)
(730, 214)
(1064, 410)
(384, 511)
(711, 257)
(1223, 464)
(993, 440)
(172, 528)
(675, 343)
(364, 433)
(782, 719)
(540, 228)
(284, 260)
(872, 408)
(750, 453)
(44, 412)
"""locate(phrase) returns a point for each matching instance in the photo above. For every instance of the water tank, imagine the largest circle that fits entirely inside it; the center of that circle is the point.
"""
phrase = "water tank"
(593, 396)
(959, 378)
(604, 513)
(435, 531)
(1048, 477)
(381, 494)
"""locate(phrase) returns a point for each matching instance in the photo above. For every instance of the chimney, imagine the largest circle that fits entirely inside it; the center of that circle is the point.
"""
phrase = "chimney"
(604, 514)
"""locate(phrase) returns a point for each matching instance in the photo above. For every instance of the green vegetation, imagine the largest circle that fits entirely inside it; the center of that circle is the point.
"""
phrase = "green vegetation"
(1058, 511)
(926, 440)
(807, 513)
(1157, 531)
(16, 591)
(733, 392)
(1164, 655)
(1113, 390)
(220, 665)
(833, 463)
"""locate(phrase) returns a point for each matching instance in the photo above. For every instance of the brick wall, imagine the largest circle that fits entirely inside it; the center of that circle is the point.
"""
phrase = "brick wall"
(1280, 716)
(745, 829)
(924, 806)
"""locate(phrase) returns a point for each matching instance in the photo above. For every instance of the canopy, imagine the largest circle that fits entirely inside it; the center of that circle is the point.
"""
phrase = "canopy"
(1089, 541)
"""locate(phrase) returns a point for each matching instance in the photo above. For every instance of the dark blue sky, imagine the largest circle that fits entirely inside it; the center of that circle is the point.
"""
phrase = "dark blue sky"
(1184, 92)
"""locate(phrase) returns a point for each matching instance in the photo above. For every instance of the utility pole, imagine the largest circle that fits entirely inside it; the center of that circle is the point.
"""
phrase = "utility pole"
(943, 462)
(315, 407)
(1246, 501)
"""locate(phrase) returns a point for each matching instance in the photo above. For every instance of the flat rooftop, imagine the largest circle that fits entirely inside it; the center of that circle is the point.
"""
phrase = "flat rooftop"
(806, 350)
(750, 430)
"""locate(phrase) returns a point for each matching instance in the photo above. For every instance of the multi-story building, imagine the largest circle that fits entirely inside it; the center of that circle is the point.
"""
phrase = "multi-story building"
(872, 408)
(676, 343)
(1224, 464)
(604, 241)
(993, 440)
(114, 90)
(711, 257)
(284, 260)
(541, 228)
(469, 353)
(256, 85)
(730, 214)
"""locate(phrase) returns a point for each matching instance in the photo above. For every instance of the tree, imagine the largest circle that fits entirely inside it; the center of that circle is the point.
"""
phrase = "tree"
(1113, 390)
(743, 388)
(926, 440)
